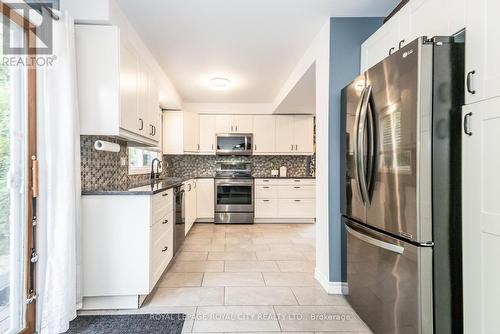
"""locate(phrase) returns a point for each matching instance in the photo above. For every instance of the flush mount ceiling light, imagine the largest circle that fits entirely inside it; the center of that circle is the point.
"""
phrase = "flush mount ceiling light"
(220, 83)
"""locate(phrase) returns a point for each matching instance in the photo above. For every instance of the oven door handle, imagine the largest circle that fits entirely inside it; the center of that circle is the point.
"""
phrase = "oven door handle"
(233, 184)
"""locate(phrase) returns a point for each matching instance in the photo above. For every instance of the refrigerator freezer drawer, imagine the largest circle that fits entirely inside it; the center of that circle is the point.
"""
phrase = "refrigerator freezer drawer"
(389, 281)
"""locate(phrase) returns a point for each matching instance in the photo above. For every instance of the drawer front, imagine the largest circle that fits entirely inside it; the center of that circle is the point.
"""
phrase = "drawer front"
(285, 182)
(162, 251)
(165, 222)
(297, 191)
(266, 208)
(297, 208)
(162, 205)
(266, 191)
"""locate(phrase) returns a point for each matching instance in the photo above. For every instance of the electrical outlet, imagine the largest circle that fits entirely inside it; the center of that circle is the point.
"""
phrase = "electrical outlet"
(123, 161)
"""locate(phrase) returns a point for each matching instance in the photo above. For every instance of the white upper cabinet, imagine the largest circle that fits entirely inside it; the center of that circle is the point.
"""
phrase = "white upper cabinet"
(303, 131)
(482, 50)
(427, 18)
(294, 134)
(118, 95)
(173, 132)
(264, 134)
(284, 134)
(224, 124)
(380, 44)
(191, 132)
(243, 123)
(207, 134)
(234, 124)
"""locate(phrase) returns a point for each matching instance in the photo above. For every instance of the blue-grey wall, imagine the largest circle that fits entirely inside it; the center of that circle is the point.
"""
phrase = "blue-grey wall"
(346, 37)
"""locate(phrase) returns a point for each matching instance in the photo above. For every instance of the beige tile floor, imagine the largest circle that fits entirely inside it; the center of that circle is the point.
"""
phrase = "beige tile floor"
(250, 278)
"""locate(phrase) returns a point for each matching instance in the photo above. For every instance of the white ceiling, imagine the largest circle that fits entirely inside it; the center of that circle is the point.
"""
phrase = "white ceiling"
(254, 43)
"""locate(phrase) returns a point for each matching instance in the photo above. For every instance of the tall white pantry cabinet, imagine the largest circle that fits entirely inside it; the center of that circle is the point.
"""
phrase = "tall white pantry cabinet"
(480, 138)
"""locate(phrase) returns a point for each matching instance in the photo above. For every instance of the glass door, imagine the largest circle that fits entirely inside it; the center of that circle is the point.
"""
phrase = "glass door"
(17, 191)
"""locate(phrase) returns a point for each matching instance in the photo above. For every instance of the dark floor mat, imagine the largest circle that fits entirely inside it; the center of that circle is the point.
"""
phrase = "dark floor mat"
(124, 324)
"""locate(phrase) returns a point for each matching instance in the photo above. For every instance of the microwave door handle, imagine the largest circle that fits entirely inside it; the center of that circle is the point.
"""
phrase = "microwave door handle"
(362, 144)
(356, 146)
(375, 242)
(372, 144)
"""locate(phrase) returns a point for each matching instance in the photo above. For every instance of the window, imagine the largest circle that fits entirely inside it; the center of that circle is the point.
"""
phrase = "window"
(139, 160)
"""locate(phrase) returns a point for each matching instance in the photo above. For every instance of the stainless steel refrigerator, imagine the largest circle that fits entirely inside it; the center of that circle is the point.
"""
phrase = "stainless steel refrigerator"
(401, 189)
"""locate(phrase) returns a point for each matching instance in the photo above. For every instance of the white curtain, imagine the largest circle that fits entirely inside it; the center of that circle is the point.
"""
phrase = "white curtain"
(58, 204)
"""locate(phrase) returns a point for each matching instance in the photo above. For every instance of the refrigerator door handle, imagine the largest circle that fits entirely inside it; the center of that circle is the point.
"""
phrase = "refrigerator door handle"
(356, 146)
(375, 242)
(362, 142)
(372, 144)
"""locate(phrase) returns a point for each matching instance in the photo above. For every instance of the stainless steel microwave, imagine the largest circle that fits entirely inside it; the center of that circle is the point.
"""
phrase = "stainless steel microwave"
(234, 144)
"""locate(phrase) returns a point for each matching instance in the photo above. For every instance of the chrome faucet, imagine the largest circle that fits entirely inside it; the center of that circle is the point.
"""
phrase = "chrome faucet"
(157, 174)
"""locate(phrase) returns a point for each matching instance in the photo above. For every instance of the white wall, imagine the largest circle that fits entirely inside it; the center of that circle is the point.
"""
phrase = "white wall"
(318, 54)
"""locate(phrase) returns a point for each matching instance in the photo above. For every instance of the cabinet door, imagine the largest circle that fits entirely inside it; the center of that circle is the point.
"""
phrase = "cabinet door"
(224, 124)
(377, 47)
(129, 77)
(284, 134)
(264, 134)
(205, 198)
(207, 134)
(243, 123)
(190, 192)
(303, 134)
(427, 19)
(172, 132)
(142, 99)
(154, 109)
(481, 218)
(191, 132)
(482, 50)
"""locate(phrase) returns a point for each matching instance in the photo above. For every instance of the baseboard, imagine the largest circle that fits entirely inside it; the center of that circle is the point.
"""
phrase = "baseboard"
(332, 288)
(284, 220)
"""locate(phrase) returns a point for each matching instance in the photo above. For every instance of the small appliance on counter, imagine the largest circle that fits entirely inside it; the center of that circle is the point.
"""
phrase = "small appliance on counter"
(234, 193)
(282, 171)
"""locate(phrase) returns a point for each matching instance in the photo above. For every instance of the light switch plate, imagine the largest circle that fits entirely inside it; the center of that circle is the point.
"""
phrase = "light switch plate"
(123, 161)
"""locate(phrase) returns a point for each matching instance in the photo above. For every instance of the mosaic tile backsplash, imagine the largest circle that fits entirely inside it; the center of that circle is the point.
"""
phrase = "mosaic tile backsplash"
(204, 165)
(104, 169)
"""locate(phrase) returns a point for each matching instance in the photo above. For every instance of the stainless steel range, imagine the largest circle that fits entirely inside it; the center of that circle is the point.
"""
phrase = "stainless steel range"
(234, 193)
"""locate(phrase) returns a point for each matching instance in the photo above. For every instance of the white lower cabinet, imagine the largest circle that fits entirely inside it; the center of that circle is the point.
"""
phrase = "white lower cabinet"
(285, 200)
(205, 200)
(481, 217)
(190, 189)
(127, 243)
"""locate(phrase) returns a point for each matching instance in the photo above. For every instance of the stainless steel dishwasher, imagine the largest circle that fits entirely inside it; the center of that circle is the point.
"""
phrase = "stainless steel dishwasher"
(180, 218)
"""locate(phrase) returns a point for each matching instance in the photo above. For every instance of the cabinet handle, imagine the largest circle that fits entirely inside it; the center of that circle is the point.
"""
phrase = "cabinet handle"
(296, 200)
(255, 147)
(391, 50)
(212, 147)
(165, 194)
(198, 147)
(296, 180)
(266, 187)
(141, 127)
(265, 180)
(296, 187)
(165, 222)
(236, 128)
(164, 249)
(231, 128)
(292, 147)
(467, 130)
(189, 187)
(401, 43)
(265, 200)
(469, 82)
(296, 147)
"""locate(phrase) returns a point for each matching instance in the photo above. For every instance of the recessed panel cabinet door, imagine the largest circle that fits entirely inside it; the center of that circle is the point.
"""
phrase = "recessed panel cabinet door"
(284, 134)
(264, 134)
(482, 63)
(481, 216)
(129, 71)
(207, 133)
(243, 123)
(191, 132)
(303, 134)
(224, 124)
